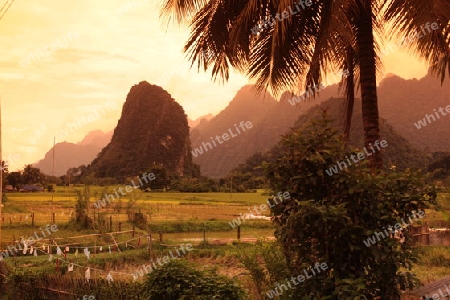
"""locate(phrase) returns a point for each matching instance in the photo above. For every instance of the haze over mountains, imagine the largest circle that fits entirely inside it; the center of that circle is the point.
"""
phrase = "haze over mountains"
(69, 155)
(401, 102)
(404, 102)
(270, 119)
(194, 123)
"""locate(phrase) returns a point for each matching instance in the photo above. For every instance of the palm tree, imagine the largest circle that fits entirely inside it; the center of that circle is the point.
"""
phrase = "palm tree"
(4, 167)
(295, 48)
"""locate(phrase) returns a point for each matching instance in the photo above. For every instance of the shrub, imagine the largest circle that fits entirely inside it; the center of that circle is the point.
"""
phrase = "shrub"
(82, 218)
(32, 286)
(266, 263)
(328, 218)
(179, 280)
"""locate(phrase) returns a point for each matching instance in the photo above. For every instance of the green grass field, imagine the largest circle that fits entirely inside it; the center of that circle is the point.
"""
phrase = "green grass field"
(181, 217)
(166, 212)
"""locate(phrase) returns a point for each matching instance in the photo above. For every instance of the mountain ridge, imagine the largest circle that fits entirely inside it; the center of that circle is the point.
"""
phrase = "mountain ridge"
(69, 155)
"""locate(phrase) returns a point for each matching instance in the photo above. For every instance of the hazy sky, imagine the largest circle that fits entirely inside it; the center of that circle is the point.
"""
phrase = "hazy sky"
(63, 61)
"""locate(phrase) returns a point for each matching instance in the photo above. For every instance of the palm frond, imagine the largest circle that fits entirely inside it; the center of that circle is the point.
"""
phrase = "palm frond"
(180, 11)
(412, 21)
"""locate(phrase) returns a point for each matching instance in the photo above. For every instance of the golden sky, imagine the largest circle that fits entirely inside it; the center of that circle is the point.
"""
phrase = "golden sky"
(63, 61)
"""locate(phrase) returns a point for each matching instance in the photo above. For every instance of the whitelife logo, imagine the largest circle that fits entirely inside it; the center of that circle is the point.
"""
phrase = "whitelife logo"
(30, 241)
(423, 123)
(48, 50)
(397, 227)
(129, 6)
(146, 269)
(411, 38)
(11, 158)
(128, 189)
(437, 296)
(275, 293)
(225, 137)
(106, 107)
(341, 164)
(280, 17)
(263, 207)
(341, 74)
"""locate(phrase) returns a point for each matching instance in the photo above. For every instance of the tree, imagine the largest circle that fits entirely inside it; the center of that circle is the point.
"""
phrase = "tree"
(82, 208)
(180, 280)
(300, 48)
(31, 175)
(14, 179)
(160, 179)
(74, 174)
(330, 218)
(4, 169)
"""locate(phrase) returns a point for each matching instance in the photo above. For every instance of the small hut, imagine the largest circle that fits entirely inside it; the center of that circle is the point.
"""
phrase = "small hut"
(438, 290)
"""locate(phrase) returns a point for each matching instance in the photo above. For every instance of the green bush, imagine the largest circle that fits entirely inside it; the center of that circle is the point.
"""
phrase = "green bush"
(328, 218)
(32, 286)
(434, 256)
(179, 280)
(267, 265)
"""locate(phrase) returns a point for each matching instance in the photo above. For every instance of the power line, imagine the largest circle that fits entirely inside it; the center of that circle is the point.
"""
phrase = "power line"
(4, 5)
(12, 1)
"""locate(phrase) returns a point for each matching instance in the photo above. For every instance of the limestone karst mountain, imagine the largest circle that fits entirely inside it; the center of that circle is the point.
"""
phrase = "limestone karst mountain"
(270, 119)
(152, 131)
(194, 123)
(404, 103)
(399, 152)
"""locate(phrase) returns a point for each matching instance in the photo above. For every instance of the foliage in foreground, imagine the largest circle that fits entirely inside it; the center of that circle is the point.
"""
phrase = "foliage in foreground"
(328, 218)
(82, 218)
(175, 280)
(179, 280)
(267, 266)
(38, 287)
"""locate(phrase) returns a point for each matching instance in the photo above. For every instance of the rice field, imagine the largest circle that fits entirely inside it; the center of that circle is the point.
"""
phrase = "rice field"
(179, 217)
(170, 213)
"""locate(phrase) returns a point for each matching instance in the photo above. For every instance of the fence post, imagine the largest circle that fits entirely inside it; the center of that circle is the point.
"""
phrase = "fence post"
(53, 218)
(149, 240)
(239, 232)
(110, 223)
(424, 235)
(204, 236)
(160, 236)
(32, 219)
(133, 231)
(120, 226)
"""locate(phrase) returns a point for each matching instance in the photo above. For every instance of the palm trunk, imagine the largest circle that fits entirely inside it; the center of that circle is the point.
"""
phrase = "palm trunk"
(368, 80)
(350, 94)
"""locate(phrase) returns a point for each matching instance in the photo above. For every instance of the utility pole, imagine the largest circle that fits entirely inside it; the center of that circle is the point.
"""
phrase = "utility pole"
(231, 186)
(3, 12)
(1, 175)
(53, 176)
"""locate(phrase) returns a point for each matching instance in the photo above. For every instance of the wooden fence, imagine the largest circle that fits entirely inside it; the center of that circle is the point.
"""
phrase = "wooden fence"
(94, 241)
(153, 212)
(66, 287)
(423, 235)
